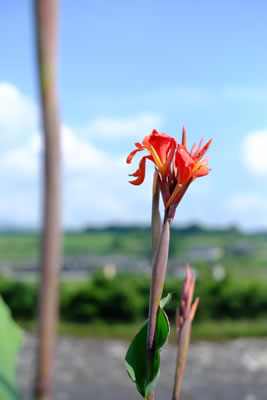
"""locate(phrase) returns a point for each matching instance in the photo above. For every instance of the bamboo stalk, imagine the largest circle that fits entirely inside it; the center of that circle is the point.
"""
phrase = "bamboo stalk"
(46, 27)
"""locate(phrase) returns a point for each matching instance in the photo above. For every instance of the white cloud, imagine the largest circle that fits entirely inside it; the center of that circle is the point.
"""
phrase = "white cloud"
(79, 154)
(93, 179)
(20, 208)
(94, 183)
(111, 128)
(96, 188)
(18, 115)
(246, 201)
(255, 150)
(23, 159)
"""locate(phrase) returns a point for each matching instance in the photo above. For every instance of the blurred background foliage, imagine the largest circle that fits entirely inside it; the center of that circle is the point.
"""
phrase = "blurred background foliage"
(106, 275)
(124, 298)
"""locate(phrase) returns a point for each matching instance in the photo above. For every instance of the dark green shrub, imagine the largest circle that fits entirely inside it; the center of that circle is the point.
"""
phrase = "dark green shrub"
(125, 299)
(21, 298)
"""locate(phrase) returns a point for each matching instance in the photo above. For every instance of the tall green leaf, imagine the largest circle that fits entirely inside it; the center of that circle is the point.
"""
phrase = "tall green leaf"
(136, 357)
(10, 341)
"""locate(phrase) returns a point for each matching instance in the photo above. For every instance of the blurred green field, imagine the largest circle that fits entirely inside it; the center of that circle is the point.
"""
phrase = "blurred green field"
(208, 330)
(233, 306)
(243, 255)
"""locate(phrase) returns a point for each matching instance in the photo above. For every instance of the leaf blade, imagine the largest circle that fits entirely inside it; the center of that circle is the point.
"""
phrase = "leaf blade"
(10, 342)
(136, 356)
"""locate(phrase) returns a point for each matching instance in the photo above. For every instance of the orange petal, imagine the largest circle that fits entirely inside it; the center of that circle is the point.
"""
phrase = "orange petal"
(202, 171)
(169, 159)
(184, 163)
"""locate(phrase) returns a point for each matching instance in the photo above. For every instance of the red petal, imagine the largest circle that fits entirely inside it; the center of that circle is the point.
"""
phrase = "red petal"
(132, 154)
(161, 144)
(184, 141)
(183, 157)
(146, 139)
(200, 153)
(140, 173)
(200, 145)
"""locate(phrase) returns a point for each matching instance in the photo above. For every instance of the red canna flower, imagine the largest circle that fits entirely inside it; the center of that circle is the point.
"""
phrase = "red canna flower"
(187, 167)
(177, 166)
(161, 148)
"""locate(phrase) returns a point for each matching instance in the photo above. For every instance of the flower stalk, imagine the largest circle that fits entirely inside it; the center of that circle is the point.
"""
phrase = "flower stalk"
(159, 267)
(155, 218)
(175, 169)
(46, 27)
(160, 250)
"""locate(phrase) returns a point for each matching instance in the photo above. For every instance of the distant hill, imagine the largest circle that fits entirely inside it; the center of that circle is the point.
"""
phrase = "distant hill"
(192, 229)
(186, 230)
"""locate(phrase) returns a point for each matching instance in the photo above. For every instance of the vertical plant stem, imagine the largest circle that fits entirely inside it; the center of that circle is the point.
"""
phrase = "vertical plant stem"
(182, 348)
(184, 318)
(46, 26)
(155, 218)
(159, 267)
(155, 227)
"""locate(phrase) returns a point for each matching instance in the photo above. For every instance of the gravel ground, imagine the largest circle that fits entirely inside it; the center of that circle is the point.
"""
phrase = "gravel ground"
(91, 369)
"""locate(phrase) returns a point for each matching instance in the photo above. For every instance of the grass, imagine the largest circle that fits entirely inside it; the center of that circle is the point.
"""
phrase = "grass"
(208, 330)
(228, 329)
(17, 247)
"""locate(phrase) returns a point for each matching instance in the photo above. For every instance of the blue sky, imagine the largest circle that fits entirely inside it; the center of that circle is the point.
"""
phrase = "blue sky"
(125, 68)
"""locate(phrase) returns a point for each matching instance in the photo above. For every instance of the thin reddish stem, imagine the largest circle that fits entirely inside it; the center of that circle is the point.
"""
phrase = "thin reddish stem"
(46, 26)
(157, 282)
